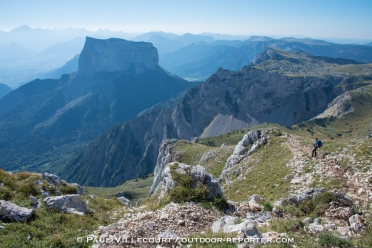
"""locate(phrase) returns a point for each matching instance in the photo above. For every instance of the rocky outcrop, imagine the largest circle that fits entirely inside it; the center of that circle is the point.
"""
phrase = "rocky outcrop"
(309, 193)
(227, 224)
(338, 107)
(12, 212)
(114, 55)
(164, 158)
(358, 223)
(51, 179)
(72, 204)
(244, 149)
(198, 175)
(124, 201)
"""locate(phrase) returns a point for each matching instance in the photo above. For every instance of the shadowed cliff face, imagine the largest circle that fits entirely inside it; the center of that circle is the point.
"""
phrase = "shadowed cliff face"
(226, 101)
(46, 120)
(115, 55)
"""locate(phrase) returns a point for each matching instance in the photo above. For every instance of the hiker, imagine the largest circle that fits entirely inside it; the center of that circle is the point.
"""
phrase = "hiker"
(317, 144)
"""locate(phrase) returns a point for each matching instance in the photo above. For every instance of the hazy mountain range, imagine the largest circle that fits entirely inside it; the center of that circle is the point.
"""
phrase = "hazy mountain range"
(115, 81)
(27, 53)
(53, 124)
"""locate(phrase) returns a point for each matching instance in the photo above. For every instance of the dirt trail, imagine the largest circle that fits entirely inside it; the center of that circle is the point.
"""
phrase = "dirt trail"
(307, 169)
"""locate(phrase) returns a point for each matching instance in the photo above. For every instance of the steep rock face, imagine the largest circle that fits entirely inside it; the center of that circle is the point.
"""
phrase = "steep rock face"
(115, 55)
(255, 94)
(252, 96)
(45, 120)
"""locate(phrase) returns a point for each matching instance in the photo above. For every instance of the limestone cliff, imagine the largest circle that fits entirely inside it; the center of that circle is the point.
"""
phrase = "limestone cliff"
(227, 101)
(113, 55)
(45, 120)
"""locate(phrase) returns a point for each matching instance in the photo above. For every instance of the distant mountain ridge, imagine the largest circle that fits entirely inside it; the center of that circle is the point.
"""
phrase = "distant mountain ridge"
(199, 61)
(116, 80)
(4, 89)
(281, 87)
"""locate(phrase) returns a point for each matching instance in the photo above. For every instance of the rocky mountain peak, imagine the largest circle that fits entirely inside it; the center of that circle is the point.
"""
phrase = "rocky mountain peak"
(269, 54)
(113, 55)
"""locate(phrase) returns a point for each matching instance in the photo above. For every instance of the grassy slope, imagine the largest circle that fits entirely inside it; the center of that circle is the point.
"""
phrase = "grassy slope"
(49, 228)
(132, 189)
(267, 168)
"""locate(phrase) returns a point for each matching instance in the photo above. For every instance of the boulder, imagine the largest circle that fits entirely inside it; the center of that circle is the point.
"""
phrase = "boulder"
(305, 195)
(343, 213)
(67, 203)
(198, 174)
(358, 223)
(259, 217)
(124, 201)
(51, 178)
(345, 200)
(171, 237)
(227, 225)
(80, 190)
(219, 224)
(34, 201)
(12, 212)
(308, 220)
(314, 228)
(224, 144)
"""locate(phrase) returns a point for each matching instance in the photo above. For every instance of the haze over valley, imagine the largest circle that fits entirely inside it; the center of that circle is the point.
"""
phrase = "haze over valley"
(188, 121)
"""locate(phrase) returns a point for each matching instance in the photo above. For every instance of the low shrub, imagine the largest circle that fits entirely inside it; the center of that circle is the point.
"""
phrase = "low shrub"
(327, 239)
(67, 189)
(267, 206)
(286, 225)
(185, 191)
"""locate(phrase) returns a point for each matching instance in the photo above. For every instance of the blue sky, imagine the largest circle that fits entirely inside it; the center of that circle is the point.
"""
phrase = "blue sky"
(311, 18)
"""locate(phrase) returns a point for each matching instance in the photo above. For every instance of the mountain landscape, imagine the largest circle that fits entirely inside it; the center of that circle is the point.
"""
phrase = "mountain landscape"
(278, 87)
(160, 139)
(200, 60)
(116, 80)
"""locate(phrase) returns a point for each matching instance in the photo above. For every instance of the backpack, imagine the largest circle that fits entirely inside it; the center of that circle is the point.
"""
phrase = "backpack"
(320, 143)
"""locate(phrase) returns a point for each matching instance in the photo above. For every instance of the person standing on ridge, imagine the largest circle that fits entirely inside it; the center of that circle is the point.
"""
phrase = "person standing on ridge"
(317, 144)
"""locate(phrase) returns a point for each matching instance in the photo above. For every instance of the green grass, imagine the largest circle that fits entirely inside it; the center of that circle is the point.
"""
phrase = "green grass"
(328, 239)
(132, 189)
(267, 170)
(50, 228)
(286, 225)
(190, 153)
(215, 165)
(54, 229)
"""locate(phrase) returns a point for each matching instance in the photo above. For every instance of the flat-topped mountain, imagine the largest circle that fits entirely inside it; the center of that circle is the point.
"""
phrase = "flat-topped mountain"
(281, 87)
(45, 120)
(113, 55)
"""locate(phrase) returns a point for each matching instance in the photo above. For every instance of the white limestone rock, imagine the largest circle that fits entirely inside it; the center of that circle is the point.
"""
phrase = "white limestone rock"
(12, 212)
(67, 203)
